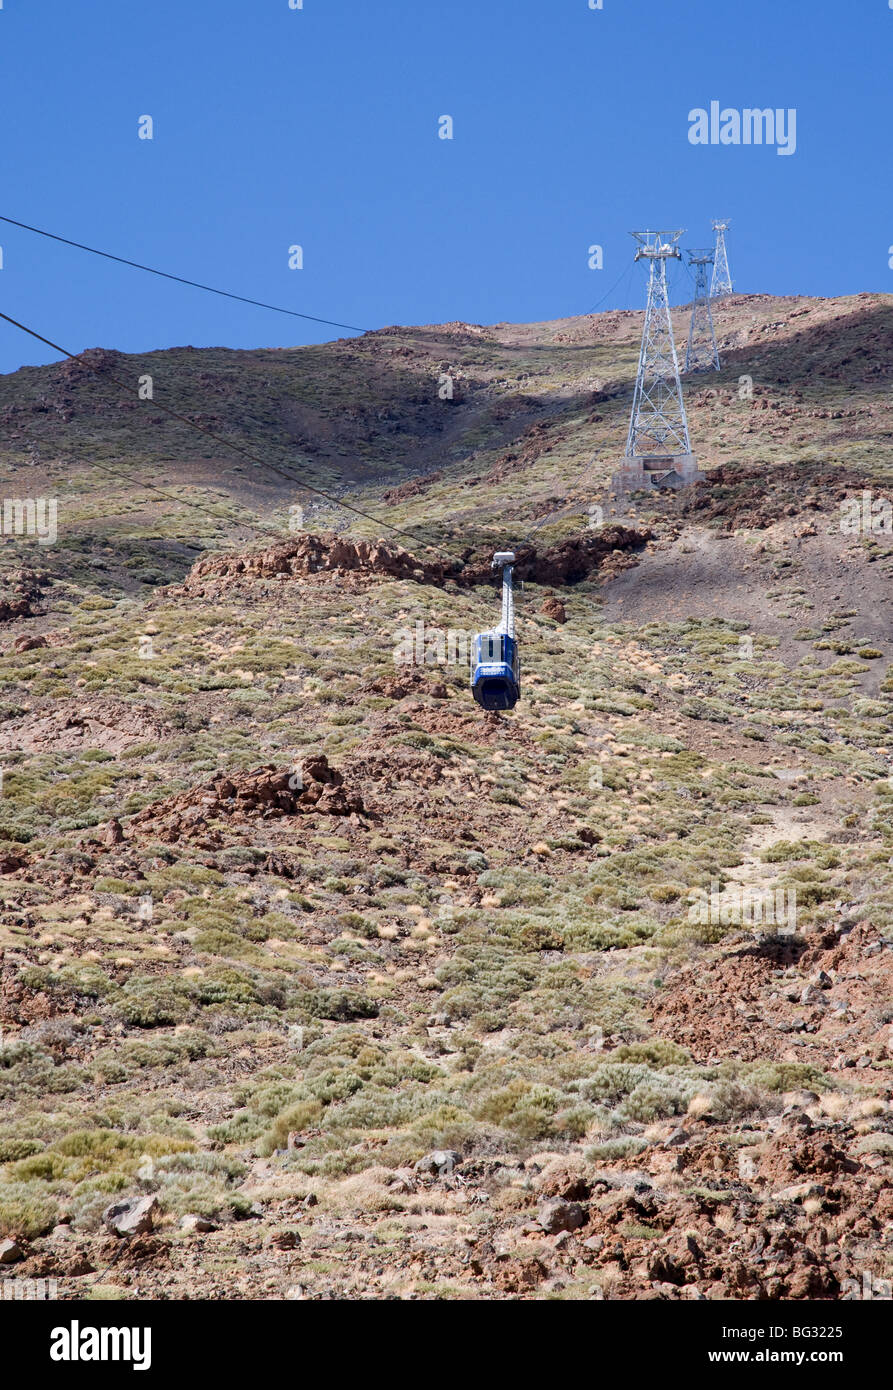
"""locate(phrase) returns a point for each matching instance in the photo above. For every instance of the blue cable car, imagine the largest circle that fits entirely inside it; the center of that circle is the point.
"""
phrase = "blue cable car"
(495, 662)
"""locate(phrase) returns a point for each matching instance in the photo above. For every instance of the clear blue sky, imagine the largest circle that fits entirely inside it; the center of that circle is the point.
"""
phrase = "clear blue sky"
(318, 126)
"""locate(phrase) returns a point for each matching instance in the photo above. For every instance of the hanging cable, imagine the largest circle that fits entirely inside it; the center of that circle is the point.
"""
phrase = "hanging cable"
(181, 279)
(228, 444)
(620, 277)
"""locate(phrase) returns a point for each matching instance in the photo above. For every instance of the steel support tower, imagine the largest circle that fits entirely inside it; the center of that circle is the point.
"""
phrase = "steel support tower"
(657, 424)
(701, 352)
(721, 284)
(658, 450)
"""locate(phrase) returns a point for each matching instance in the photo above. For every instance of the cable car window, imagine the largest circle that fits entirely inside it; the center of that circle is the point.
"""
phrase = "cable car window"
(490, 647)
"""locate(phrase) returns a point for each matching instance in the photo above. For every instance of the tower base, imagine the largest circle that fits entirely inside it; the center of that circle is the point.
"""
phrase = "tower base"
(645, 472)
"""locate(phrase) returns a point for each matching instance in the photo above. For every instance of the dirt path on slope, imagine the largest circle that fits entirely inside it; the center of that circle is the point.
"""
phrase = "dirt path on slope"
(704, 574)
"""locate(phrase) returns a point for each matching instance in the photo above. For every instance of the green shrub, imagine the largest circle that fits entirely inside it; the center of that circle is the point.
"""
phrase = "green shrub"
(152, 1001)
(12, 1148)
(625, 1146)
(26, 1210)
(297, 1117)
(338, 1004)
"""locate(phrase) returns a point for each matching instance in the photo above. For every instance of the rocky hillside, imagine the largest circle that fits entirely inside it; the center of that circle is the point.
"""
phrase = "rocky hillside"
(440, 426)
(315, 981)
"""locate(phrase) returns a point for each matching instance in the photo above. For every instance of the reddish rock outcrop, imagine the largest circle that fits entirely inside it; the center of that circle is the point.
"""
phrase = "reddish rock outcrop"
(569, 562)
(265, 793)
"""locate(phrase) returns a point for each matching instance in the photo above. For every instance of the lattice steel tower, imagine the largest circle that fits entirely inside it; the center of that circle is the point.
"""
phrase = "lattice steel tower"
(657, 425)
(701, 352)
(721, 284)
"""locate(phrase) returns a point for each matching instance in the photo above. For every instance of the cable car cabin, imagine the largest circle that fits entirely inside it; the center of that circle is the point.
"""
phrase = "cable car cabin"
(495, 670)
